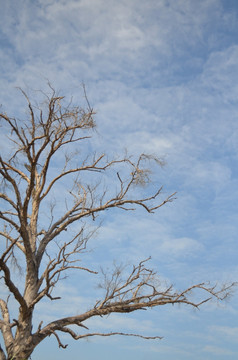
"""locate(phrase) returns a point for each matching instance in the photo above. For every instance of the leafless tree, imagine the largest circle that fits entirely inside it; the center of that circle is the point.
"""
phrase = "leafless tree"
(32, 225)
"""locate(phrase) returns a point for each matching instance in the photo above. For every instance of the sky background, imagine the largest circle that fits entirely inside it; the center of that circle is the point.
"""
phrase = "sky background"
(163, 78)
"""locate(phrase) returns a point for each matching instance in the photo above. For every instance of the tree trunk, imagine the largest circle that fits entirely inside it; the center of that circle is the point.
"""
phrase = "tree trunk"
(22, 346)
(2, 355)
(22, 350)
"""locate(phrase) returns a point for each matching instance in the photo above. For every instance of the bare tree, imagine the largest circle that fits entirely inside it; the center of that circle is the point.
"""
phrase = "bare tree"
(31, 224)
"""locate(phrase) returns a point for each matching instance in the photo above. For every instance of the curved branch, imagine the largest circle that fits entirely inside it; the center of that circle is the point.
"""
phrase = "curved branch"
(82, 336)
(77, 337)
(92, 167)
(10, 180)
(10, 285)
(17, 171)
(14, 127)
(13, 241)
(10, 221)
(10, 201)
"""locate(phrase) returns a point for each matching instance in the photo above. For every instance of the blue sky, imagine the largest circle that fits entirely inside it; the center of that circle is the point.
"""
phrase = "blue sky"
(162, 76)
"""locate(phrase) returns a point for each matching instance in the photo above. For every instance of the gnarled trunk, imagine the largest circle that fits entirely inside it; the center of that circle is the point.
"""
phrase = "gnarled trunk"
(2, 355)
(22, 346)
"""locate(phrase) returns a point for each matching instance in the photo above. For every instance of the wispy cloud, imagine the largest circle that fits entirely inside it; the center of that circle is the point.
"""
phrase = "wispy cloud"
(218, 351)
(231, 333)
(162, 77)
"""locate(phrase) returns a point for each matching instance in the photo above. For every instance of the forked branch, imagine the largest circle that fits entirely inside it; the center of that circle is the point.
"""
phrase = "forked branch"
(140, 290)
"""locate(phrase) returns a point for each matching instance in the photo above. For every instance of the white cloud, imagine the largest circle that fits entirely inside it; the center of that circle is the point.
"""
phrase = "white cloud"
(218, 351)
(231, 333)
(217, 74)
(139, 237)
(123, 323)
(207, 173)
(181, 247)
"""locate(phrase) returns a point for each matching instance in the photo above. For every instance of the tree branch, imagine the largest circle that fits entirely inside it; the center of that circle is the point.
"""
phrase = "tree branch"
(137, 292)
(5, 324)
(9, 283)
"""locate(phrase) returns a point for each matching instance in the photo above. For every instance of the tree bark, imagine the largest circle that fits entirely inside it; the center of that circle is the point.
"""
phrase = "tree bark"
(2, 355)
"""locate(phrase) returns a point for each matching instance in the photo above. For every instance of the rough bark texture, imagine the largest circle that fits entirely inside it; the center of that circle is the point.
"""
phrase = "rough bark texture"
(27, 182)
